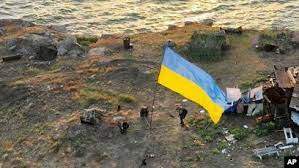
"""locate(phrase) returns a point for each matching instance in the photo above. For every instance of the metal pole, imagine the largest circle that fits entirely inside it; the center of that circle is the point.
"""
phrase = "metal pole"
(155, 89)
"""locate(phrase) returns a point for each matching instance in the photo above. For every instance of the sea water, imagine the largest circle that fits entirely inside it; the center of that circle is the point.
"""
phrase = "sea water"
(131, 16)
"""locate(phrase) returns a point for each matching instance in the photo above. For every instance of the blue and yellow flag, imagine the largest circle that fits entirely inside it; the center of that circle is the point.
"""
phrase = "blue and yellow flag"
(193, 83)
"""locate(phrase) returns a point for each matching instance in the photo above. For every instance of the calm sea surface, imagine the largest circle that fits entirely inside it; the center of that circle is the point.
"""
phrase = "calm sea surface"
(130, 16)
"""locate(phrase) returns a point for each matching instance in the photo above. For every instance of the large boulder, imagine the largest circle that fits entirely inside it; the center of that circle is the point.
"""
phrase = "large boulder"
(70, 47)
(34, 46)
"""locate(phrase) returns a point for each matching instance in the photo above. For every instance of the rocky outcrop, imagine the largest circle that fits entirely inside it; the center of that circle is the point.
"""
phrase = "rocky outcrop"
(37, 42)
(207, 22)
(70, 47)
(39, 47)
(18, 23)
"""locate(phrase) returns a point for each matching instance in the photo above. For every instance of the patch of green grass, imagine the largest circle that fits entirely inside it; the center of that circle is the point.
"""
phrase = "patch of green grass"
(205, 128)
(128, 55)
(240, 133)
(126, 98)
(208, 46)
(34, 71)
(261, 77)
(86, 41)
(223, 144)
(264, 129)
(281, 39)
(215, 151)
(90, 96)
(198, 157)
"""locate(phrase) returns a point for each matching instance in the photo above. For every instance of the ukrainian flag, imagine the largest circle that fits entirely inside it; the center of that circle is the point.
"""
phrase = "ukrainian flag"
(193, 83)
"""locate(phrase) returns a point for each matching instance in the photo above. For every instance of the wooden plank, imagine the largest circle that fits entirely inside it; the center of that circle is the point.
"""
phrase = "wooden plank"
(283, 79)
(11, 58)
(295, 98)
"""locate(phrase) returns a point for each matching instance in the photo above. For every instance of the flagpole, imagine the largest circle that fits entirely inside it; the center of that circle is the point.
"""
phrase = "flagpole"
(156, 83)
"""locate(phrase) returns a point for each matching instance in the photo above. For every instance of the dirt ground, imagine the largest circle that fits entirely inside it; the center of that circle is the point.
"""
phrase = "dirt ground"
(40, 108)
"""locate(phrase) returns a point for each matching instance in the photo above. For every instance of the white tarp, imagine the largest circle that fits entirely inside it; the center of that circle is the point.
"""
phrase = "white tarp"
(233, 94)
(256, 93)
(295, 117)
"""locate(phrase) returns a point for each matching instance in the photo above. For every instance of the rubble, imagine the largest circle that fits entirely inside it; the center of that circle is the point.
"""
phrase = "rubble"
(228, 136)
(267, 151)
(290, 136)
(284, 147)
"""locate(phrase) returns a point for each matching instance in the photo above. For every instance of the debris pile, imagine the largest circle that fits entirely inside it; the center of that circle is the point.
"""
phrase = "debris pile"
(291, 141)
(274, 100)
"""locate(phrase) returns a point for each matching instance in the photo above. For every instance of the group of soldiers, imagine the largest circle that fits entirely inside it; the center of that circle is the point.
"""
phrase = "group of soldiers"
(144, 112)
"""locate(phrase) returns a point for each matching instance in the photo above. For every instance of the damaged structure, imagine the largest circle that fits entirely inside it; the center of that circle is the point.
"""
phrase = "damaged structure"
(277, 99)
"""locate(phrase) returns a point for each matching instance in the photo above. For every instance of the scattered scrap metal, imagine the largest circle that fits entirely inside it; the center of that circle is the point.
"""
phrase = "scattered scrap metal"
(290, 136)
(291, 141)
(267, 151)
(277, 99)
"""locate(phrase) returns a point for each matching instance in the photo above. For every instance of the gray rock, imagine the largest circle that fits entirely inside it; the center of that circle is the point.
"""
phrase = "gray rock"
(105, 36)
(59, 28)
(5, 156)
(189, 23)
(11, 44)
(70, 47)
(97, 51)
(18, 22)
(37, 47)
(172, 27)
(208, 22)
(2, 31)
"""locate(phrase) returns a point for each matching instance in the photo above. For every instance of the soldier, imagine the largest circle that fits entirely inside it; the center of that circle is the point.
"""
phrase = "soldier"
(144, 112)
(123, 127)
(182, 113)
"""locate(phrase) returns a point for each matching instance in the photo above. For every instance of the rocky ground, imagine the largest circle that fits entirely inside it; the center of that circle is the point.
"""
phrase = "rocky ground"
(58, 76)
